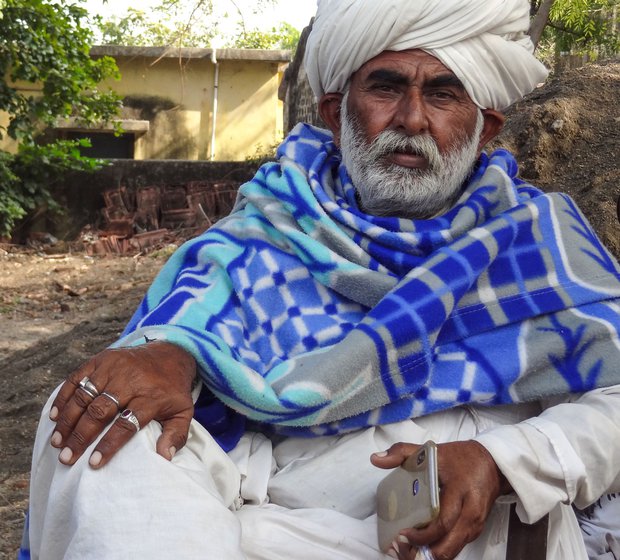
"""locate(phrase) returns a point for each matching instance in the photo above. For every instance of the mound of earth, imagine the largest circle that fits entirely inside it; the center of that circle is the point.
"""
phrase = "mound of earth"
(57, 312)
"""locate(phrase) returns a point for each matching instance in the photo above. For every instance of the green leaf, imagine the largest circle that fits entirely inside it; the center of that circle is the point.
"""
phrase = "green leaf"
(47, 45)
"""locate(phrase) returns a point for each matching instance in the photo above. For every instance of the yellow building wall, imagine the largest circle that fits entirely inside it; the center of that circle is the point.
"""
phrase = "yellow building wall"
(177, 97)
(249, 122)
(6, 143)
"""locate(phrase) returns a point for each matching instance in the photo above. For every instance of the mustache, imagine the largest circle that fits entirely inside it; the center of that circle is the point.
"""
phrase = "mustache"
(391, 141)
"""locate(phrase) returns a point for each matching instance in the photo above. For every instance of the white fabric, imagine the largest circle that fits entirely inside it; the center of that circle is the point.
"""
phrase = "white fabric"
(309, 498)
(484, 42)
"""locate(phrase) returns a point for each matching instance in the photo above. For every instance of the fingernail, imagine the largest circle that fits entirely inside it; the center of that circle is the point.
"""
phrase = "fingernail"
(395, 546)
(56, 439)
(53, 413)
(381, 454)
(403, 539)
(65, 455)
(172, 451)
(392, 553)
(95, 459)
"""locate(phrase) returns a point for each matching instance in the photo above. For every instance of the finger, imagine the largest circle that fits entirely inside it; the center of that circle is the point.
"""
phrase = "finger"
(69, 387)
(401, 548)
(70, 414)
(394, 456)
(93, 420)
(408, 552)
(174, 435)
(77, 406)
(119, 433)
(465, 531)
(451, 531)
(613, 544)
(450, 510)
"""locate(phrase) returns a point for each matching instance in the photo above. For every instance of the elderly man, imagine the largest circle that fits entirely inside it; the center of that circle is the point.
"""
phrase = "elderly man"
(382, 284)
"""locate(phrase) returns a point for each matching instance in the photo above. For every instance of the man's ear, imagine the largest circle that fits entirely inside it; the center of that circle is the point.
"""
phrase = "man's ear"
(329, 110)
(493, 124)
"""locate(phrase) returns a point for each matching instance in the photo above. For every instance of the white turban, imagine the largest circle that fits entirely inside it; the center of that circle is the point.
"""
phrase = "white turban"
(484, 42)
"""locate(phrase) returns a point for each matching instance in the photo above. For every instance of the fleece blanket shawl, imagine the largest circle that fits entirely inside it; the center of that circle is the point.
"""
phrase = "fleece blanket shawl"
(310, 317)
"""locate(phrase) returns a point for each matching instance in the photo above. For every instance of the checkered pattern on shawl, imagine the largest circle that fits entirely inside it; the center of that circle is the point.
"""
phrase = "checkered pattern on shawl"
(311, 317)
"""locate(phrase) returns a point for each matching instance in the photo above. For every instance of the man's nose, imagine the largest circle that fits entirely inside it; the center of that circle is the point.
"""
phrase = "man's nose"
(411, 116)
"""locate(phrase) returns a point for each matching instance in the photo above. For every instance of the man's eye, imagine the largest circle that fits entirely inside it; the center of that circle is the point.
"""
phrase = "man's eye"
(386, 88)
(441, 94)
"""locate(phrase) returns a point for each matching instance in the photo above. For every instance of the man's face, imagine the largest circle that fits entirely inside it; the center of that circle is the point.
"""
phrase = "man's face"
(412, 92)
(409, 134)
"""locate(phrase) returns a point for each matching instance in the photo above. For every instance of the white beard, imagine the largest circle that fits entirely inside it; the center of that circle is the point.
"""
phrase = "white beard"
(386, 189)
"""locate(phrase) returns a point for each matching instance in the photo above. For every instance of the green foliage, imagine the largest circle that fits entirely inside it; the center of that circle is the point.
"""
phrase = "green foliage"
(193, 23)
(583, 27)
(155, 29)
(262, 154)
(46, 73)
(283, 37)
(45, 46)
(25, 177)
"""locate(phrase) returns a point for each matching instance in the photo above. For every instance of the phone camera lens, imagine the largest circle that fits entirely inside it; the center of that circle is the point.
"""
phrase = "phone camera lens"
(421, 457)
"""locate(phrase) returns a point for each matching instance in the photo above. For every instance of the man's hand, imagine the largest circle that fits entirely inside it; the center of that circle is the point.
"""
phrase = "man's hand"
(470, 483)
(153, 381)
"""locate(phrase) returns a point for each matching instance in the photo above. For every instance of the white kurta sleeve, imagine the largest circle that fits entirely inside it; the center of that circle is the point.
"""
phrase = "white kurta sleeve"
(570, 453)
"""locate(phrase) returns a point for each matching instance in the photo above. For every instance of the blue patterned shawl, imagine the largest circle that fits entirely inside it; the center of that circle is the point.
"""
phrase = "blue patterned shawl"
(311, 317)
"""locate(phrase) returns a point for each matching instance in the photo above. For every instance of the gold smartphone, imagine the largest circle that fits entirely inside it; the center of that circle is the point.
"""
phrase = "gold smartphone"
(408, 496)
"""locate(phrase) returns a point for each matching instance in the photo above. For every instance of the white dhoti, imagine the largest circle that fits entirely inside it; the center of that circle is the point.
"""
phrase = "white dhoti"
(299, 498)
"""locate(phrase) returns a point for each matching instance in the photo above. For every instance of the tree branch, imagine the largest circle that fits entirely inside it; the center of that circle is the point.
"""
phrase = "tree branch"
(563, 29)
(540, 20)
(243, 28)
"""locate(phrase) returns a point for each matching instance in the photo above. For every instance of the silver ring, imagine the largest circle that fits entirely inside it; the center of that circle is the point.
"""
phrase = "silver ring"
(131, 417)
(425, 553)
(112, 398)
(89, 387)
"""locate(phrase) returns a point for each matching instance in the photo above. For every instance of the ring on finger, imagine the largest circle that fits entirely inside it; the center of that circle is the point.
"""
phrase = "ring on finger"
(424, 553)
(112, 398)
(131, 417)
(89, 387)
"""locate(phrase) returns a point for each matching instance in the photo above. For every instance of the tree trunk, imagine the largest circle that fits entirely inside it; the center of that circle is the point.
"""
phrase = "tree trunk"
(540, 20)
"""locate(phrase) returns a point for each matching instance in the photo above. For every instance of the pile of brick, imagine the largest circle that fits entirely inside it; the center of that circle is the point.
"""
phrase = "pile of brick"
(134, 222)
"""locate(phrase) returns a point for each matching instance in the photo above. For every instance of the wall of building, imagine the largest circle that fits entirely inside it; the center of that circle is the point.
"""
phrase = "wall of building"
(174, 91)
(7, 144)
(249, 121)
(176, 95)
(301, 105)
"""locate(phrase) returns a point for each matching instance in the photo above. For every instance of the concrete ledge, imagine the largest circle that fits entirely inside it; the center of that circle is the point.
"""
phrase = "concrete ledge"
(191, 53)
(135, 126)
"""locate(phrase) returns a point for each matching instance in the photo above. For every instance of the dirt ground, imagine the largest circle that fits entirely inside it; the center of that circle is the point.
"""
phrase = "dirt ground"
(57, 310)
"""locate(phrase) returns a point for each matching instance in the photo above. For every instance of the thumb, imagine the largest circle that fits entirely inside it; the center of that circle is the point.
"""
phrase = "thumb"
(394, 456)
(614, 545)
(173, 436)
